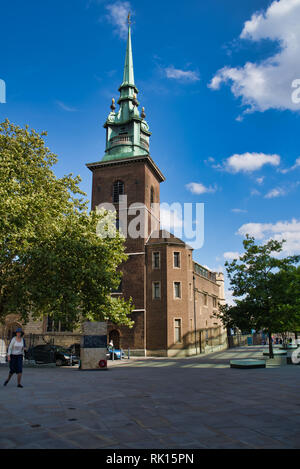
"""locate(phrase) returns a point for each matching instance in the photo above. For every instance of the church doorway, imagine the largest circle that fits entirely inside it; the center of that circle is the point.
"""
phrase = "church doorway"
(114, 337)
(7, 331)
(10, 330)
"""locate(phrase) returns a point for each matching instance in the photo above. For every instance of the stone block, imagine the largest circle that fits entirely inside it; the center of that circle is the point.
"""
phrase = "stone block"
(94, 328)
(89, 358)
(93, 346)
(247, 364)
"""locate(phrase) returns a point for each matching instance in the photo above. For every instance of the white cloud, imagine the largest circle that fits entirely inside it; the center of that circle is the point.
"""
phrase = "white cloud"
(238, 210)
(288, 230)
(117, 16)
(276, 192)
(182, 75)
(229, 297)
(231, 255)
(280, 191)
(65, 107)
(198, 188)
(268, 84)
(260, 180)
(248, 162)
(295, 166)
(254, 192)
(170, 219)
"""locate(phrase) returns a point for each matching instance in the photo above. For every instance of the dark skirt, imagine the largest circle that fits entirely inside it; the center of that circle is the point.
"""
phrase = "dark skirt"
(16, 364)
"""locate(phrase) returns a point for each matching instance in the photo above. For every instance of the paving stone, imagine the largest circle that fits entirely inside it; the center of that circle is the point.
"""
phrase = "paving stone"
(6, 443)
(154, 403)
(87, 440)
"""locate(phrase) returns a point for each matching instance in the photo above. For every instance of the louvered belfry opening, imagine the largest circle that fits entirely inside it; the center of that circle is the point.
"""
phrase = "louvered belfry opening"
(118, 189)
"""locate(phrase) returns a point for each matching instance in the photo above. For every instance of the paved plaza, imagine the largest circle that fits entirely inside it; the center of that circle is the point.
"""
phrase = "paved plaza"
(154, 403)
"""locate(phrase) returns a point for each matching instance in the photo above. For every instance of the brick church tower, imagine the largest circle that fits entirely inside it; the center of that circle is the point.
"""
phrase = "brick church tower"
(159, 274)
(128, 170)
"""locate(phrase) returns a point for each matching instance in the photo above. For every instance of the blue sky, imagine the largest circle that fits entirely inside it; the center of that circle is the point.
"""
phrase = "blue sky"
(215, 79)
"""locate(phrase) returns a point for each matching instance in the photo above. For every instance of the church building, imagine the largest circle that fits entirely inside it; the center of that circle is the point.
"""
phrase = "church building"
(173, 296)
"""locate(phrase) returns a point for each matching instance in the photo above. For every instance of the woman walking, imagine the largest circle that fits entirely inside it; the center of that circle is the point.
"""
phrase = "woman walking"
(15, 356)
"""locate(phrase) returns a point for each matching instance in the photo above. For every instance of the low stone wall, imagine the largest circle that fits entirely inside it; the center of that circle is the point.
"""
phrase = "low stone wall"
(136, 352)
(64, 339)
(237, 340)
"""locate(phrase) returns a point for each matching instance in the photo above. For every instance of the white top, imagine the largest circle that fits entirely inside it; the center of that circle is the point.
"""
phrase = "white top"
(15, 347)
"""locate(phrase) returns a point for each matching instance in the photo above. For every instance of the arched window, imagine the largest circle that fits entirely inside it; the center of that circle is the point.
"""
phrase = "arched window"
(151, 195)
(114, 338)
(118, 189)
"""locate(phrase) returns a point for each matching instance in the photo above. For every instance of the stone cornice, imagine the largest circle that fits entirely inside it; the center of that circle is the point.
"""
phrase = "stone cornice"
(125, 161)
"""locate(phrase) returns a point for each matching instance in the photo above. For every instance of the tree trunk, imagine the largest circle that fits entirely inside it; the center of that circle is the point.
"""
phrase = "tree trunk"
(296, 336)
(271, 354)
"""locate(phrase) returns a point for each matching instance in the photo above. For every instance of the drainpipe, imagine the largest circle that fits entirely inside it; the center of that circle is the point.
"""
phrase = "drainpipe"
(195, 316)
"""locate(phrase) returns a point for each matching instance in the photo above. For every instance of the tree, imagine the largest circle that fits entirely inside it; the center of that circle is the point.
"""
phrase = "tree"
(289, 302)
(266, 288)
(51, 259)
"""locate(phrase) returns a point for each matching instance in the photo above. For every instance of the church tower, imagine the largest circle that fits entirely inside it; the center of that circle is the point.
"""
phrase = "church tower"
(127, 170)
(173, 296)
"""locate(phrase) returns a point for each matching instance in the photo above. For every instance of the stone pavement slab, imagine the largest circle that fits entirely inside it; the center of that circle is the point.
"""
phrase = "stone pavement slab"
(154, 403)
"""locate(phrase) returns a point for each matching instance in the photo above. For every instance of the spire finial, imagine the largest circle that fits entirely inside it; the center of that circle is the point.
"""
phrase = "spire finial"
(128, 68)
(113, 106)
(134, 101)
(128, 19)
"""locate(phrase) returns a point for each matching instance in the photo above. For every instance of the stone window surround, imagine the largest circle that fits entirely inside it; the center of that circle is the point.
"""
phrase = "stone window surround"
(202, 292)
(118, 188)
(179, 260)
(180, 330)
(180, 291)
(152, 195)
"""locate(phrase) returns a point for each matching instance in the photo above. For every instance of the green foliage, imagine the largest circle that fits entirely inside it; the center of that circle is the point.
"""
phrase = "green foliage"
(266, 288)
(51, 259)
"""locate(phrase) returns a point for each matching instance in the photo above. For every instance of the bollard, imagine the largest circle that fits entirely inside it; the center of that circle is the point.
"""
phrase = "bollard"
(128, 353)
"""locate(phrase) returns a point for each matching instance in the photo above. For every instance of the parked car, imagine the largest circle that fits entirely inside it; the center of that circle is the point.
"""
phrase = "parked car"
(51, 354)
(75, 349)
(114, 352)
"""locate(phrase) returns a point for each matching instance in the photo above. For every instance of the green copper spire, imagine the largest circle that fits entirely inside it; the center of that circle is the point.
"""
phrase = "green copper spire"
(128, 77)
(127, 131)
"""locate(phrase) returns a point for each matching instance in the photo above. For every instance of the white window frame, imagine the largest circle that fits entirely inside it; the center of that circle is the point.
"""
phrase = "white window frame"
(179, 259)
(180, 329)
(180, 291)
